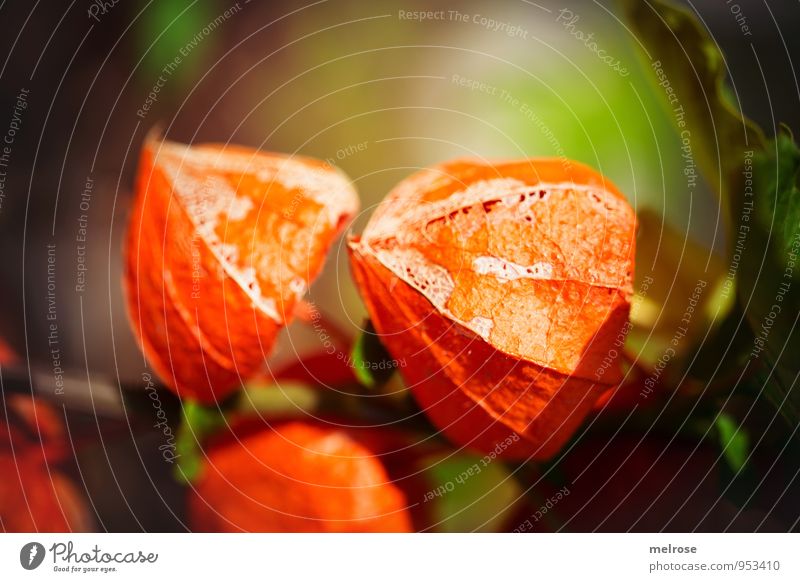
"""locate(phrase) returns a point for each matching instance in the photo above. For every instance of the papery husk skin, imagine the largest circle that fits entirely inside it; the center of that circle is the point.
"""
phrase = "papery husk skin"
(297, 477)
(519, 386)
(206, 324)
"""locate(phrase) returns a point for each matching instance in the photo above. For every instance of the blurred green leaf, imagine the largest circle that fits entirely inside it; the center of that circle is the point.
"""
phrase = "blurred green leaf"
(176, 29)
(468, 494)
(769, 272)
(779, 386)
(285, 398)
(198, 422)
(738, 480)
(685, 59)
(690, 72)
(733, 440)
(372, 364)
(757, 183)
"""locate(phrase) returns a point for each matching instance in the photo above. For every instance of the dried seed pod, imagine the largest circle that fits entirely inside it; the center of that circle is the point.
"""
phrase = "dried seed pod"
(505, 287)
(223, 243)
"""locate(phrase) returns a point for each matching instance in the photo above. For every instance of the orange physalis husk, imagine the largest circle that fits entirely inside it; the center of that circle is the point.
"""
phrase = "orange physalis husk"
(296, 477)
(35, 496)
(223, 243)
(504, 286)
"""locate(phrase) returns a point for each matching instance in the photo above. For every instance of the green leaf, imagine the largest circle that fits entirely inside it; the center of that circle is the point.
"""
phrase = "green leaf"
(738, 480)
(769, 270)
(173, 38)
(690, 71)
(779, 385)
(287, 399)
(734, 441)
(279, 399)
(372, 364)
(757, 182)
(468, 493)
(198, 421)
(775, 184)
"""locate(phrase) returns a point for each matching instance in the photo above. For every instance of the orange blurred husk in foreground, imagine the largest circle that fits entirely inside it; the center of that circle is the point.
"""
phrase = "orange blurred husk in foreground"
(7, 355)
(222, 244)
(504, 287)
(35, 496)
(296, 477)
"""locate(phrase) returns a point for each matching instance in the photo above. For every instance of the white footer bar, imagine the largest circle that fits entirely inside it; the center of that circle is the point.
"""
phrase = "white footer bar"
(406, 558)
